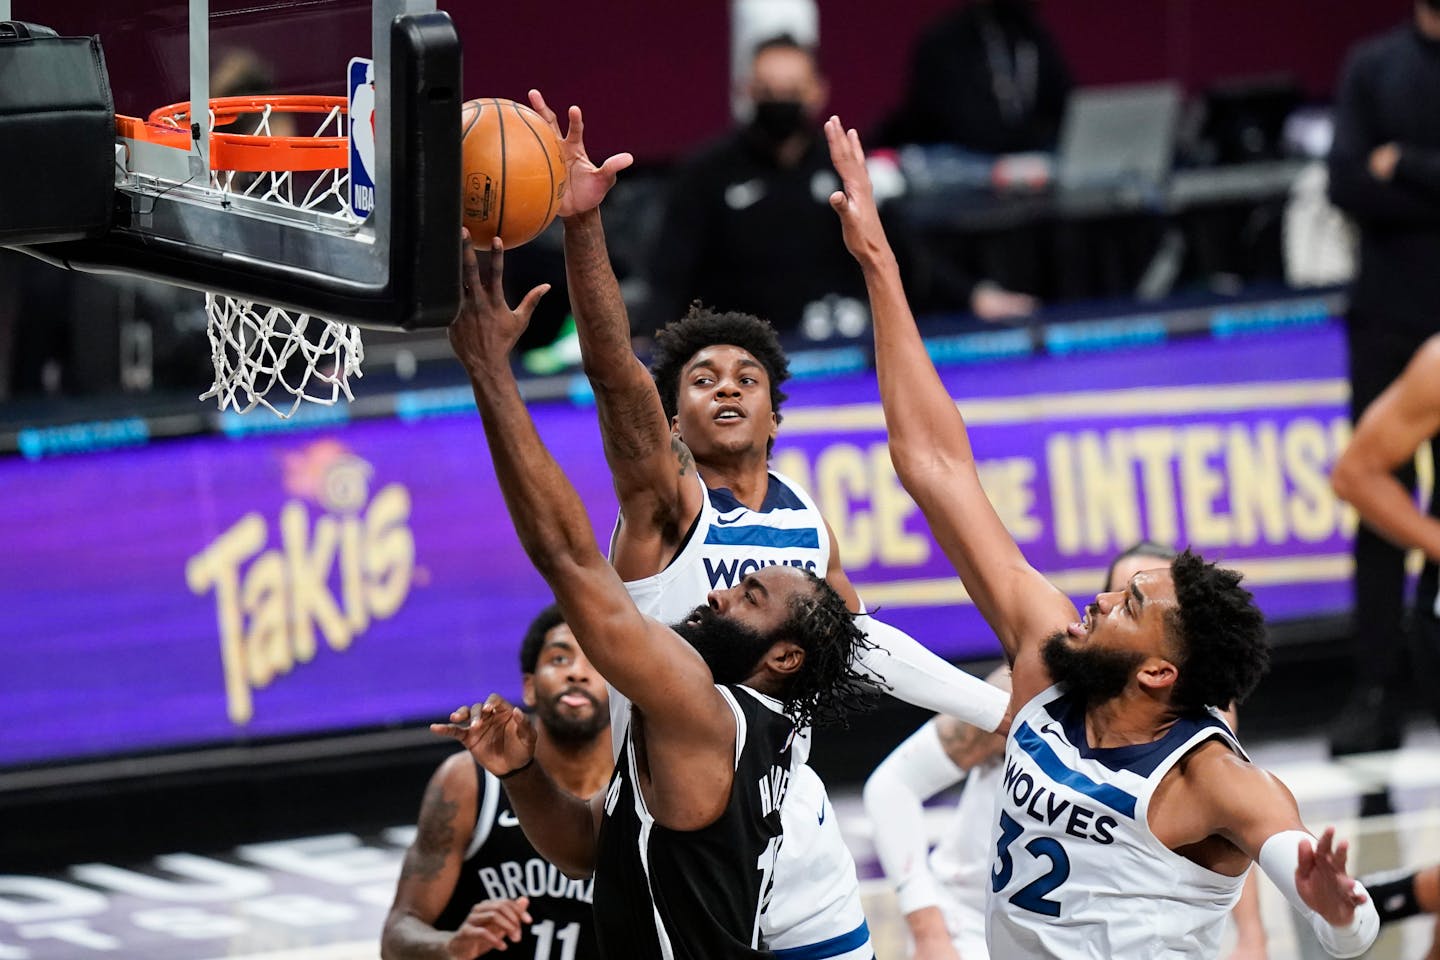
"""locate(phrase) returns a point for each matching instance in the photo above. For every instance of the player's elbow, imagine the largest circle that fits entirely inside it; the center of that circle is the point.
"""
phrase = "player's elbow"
(577, 869)
(394, 944)
(575, 857)
(561, 559)
(1348, 478)
(916, 463)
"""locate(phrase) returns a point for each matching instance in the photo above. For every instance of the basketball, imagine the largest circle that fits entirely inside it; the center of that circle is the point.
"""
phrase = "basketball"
(513, 175)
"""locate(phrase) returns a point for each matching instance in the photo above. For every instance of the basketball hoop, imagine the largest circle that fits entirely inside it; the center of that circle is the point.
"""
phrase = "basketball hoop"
(257, 348)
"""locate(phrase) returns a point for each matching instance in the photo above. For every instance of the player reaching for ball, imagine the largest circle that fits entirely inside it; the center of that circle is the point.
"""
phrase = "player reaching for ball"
(688, 448)
(1128, 815)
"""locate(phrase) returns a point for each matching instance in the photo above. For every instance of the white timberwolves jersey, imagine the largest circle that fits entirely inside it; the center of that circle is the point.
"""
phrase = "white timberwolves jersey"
(1076, 871)
(731, 541)
(814, 911)
(728, 542)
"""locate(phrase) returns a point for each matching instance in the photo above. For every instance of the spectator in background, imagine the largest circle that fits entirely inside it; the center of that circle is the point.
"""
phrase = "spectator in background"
(987, 77)
(1385, 173)
(748, 226)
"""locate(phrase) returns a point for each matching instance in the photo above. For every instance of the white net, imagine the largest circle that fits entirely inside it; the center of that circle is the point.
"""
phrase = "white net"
(257, 349)
(264, 355)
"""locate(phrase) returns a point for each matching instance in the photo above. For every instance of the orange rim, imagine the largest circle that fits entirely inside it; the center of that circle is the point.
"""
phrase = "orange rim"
(168, 126)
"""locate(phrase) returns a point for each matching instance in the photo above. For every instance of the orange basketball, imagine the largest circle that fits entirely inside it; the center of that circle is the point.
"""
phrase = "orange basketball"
(513, 175)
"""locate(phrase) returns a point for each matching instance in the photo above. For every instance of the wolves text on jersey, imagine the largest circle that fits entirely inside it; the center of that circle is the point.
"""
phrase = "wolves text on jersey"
(1041, 803)
(727, 573)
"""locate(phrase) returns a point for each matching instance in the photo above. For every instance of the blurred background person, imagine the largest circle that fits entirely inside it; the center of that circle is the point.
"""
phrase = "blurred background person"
(1385, 173)
(987, 76)
(747, 225)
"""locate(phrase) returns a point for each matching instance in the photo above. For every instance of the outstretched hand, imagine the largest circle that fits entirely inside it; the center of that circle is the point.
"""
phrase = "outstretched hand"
(587, 183)
(1322, 882)
(485, 329)
(498, 735)
(855, 200)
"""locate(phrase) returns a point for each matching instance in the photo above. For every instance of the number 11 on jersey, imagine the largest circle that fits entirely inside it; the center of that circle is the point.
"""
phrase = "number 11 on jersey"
(545, 937)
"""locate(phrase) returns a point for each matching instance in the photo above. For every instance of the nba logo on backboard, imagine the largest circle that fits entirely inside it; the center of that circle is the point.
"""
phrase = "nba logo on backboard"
(362, 137)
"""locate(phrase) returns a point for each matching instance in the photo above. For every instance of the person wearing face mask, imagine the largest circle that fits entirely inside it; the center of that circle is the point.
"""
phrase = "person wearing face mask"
(747, 226)
(988, 77)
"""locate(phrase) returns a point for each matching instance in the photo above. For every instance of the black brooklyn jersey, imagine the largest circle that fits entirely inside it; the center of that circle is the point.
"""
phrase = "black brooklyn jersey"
(501, 864)
(695, 895)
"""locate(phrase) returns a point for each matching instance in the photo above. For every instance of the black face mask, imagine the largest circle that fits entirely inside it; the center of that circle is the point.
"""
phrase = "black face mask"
(730, 650)
(1433, 5)
(778, 120)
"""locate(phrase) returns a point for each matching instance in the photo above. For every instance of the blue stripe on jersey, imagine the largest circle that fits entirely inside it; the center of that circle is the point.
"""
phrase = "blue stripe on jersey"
(763, 537)
(1112, 796)
(1139, 758)
(833, 947)
(777, 497)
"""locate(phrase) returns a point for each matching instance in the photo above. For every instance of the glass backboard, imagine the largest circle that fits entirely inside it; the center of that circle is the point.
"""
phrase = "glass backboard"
(390, 262)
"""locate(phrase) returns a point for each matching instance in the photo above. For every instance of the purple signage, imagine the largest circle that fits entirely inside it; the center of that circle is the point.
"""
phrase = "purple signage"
(195, 591)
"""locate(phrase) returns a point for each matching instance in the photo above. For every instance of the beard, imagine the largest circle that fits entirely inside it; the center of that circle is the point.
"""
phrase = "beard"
(567, 727)
(1093, 675)
(730, 650)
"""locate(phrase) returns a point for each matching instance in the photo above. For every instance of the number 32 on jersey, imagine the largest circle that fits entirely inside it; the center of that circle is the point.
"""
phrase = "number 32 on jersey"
(1035, 895)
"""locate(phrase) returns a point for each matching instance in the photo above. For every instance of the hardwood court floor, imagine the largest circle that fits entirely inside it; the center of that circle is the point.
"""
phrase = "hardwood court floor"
(325, 897)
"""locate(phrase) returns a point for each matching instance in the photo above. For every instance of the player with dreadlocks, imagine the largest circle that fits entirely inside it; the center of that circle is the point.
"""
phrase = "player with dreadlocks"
(689, 828)
(688, 452)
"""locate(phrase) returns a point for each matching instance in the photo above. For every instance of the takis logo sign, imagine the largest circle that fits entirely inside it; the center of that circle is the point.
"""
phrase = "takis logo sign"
(333, 572)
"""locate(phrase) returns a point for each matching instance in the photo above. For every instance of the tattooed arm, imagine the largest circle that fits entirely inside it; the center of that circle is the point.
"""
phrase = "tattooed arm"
(430, 871)
(651, 469)
(652, 473)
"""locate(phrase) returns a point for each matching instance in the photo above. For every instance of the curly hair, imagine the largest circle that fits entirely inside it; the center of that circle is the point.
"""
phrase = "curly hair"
(827, 688)
(1223, 650)
(702, 327)
(545, 621)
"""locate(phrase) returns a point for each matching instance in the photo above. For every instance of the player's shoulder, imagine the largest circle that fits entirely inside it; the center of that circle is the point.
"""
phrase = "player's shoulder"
(1214, 772)
(458, 775)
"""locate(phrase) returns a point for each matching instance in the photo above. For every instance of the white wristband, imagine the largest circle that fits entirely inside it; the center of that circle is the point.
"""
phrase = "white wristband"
(1279, 857)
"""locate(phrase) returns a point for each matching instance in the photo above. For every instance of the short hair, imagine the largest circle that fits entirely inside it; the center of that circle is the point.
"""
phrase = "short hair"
(701, 327)
(545, 621)
(1145, 548)
(827, 688)
(1220, 633)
